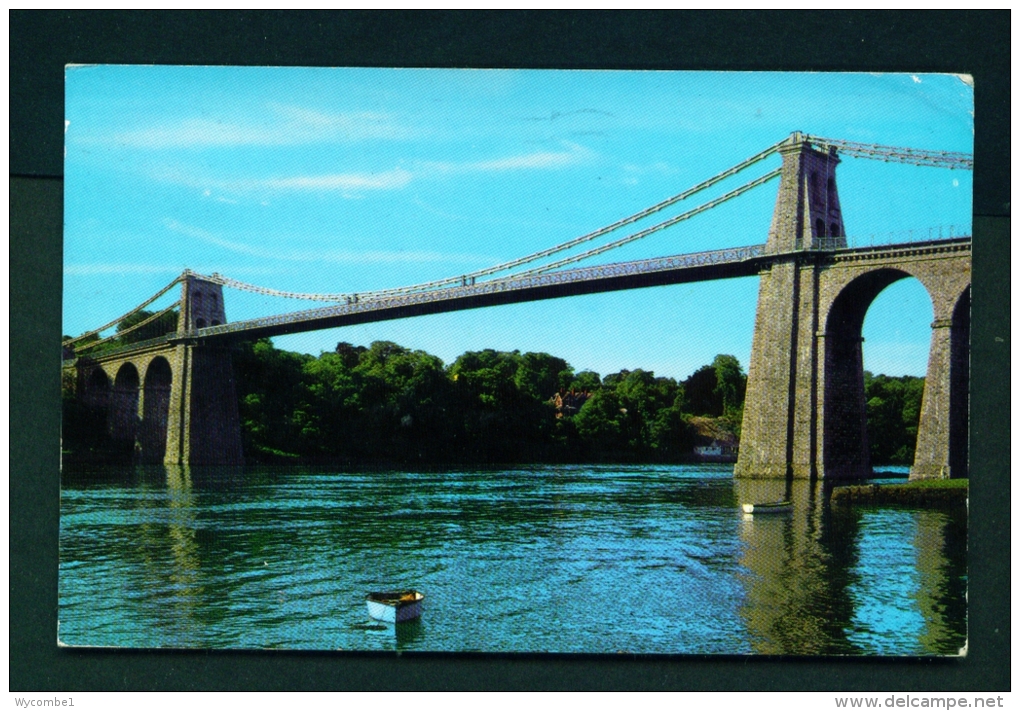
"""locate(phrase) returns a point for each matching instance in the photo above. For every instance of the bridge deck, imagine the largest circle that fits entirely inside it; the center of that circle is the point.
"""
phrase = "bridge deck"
(685, 268)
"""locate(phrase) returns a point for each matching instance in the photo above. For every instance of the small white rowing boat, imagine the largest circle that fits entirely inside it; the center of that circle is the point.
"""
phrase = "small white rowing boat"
(395, 606)
(771, 507)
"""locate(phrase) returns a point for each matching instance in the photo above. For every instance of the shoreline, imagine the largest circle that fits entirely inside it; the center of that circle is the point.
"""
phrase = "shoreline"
(925, 493)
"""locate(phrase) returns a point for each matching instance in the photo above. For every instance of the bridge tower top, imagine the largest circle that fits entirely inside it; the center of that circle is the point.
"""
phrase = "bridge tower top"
(201, 303)
(807, 214)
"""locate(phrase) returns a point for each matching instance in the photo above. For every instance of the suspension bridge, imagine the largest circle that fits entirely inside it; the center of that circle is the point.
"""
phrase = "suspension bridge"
(804, 413)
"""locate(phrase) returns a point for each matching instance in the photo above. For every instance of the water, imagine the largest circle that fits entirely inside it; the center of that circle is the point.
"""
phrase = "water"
(592, 559)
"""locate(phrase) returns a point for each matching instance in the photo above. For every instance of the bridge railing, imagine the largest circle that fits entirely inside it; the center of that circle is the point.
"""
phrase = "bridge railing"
(927, 234)
(134, 346)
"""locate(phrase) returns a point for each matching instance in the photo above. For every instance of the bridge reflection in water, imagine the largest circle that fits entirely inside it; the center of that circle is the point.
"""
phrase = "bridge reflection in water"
(822, 580)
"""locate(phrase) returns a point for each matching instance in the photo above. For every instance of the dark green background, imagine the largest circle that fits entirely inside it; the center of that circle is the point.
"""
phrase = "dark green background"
(42, 42)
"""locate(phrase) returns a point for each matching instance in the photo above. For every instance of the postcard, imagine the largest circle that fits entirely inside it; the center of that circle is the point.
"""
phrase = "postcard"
(516, 361)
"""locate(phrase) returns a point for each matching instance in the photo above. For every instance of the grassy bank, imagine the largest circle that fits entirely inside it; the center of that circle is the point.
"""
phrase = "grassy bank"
(923, 493)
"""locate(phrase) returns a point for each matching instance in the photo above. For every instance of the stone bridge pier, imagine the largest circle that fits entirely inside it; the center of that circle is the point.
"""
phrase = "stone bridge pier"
(804, 412)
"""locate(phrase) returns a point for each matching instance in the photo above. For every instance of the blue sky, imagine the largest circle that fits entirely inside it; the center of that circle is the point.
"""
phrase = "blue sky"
(346, 180)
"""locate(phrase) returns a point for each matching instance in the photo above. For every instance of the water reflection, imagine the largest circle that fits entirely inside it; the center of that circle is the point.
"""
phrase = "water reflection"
(160, 530)
(510, 560)
(849, 580)
(390, 636)
(795, 595)
(942, 592)
(911, 583)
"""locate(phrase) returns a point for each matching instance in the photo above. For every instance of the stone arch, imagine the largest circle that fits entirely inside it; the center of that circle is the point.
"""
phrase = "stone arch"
(845, 449)
(155, 410)
(97, 389)
(124, 404)
(95, 400)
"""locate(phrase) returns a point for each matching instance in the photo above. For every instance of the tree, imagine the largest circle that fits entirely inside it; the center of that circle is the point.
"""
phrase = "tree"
(643, 396)
(487, 376)
(671, 433)
(893, 411)
(166, 323)
(730, 385)
(327, 406)
(349, 353)
(586, 380)
(700, 391)
(540, 375)
(269, 383)
(718, 389)
(602, 424)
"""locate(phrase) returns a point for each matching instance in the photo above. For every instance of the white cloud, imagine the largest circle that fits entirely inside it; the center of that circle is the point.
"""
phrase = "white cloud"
(537, 160)
(210, 238)
(333, 256)
(530, 160)
(171, 271)
(349, 184)
(346, 182)
(353, 185)
(281, 125)
(108, 268)
(633, 172)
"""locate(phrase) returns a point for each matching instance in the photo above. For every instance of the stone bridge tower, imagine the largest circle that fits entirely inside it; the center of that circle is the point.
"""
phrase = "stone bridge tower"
(804, 412)
(203, 423)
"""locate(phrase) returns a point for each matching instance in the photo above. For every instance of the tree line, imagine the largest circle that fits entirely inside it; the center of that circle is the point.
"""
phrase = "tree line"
(387, 402)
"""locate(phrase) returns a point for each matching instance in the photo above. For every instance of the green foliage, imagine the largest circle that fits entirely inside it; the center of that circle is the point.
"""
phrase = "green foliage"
(390, 403)
(540, 374)
(502, 408)
(730, 385)
(671, 434)
(717, 390)
(700, 391)
(894, 410)
(635, 415)
(602, 423)
(166, 323)
(269, 386)
(585, 381)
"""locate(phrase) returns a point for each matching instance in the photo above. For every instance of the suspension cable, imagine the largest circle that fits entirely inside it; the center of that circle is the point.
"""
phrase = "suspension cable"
(119, 334)
(896, 154)
(121, 318)
(654, 228)
(591, 235)
(265, 291)
(233, 283)
(334, 298)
